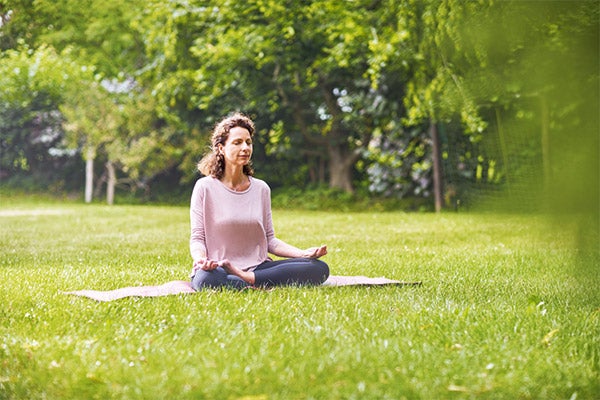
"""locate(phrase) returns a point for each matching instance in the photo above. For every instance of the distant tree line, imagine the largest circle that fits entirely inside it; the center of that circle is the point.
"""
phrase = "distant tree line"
(439, 99)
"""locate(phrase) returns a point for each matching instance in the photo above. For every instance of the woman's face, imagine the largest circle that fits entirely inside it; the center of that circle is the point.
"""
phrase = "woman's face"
(237, 150)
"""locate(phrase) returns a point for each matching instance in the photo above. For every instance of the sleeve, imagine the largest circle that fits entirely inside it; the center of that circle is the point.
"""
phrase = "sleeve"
(197, 236)
(272, 241)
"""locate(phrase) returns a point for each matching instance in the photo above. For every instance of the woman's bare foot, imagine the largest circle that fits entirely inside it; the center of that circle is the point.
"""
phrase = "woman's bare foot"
(246, 276)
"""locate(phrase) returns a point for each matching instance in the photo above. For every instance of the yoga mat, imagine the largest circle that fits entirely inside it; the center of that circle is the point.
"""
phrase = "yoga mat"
(177, 287)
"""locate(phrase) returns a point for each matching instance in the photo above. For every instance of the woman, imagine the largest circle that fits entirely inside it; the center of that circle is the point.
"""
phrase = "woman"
(231, 226)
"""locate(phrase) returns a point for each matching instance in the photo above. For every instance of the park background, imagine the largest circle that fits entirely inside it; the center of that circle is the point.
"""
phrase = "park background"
(479, 116)
(433, 104)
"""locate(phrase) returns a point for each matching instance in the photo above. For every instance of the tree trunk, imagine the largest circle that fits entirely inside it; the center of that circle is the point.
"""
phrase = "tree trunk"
(99, 184)
(89, 175)
(545, 143)
(438, 184)
(110, 183)
(340, 170)
(504, 151)
(341, 159)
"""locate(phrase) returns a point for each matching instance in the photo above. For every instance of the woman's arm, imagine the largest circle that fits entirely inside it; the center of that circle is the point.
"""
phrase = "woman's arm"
(283, 249)
(278, 247)
(197, 233)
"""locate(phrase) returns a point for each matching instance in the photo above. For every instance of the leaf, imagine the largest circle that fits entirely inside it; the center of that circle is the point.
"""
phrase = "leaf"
(457, 388)
(549, 337)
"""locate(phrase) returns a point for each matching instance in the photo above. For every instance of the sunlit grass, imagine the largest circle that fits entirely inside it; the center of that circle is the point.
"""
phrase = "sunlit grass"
(501, 313)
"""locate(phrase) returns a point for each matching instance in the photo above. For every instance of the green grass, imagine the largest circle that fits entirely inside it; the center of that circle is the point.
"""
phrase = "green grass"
(503, 311)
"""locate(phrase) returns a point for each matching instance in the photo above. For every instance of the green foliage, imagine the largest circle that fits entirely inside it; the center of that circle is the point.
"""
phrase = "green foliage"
(539, 102)
(91, 119)
(436, 90)
(501, 314)
(99, 33)
(35, 82)
(341, 91)
(498, 68)
(305, 63)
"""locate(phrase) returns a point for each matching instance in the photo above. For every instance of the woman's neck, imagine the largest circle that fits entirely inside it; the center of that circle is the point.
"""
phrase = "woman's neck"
(235, 180)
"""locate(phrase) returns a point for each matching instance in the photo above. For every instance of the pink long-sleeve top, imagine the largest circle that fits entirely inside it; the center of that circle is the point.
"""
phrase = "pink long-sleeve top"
(234, 225)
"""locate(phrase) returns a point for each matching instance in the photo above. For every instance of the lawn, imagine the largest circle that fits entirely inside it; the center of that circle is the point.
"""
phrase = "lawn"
(503, 312)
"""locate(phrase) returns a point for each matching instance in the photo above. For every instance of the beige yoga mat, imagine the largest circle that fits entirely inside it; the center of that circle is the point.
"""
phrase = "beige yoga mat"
(178, 287)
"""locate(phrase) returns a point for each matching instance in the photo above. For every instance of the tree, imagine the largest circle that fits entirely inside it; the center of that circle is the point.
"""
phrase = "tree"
(541, 107)
(378, 93)
(102, 37)
(420, 41)
(34, 84)
(302, 62)
(496, 68)
(125, 129)
(400, 160)
(144, 145)
(98, 33)
(436, 92)
(92, 120)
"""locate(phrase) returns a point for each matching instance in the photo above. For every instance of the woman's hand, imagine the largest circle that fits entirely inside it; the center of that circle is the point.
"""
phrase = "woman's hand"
(205, 264)
(315, 252)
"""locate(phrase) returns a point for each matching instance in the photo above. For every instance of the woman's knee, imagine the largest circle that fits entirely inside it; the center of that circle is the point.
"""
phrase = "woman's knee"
(323, 270)
(310, 271)
(215, 279)
(209, 279)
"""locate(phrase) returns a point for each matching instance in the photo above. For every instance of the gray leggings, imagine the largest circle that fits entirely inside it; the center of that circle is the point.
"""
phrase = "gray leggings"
(292, 271)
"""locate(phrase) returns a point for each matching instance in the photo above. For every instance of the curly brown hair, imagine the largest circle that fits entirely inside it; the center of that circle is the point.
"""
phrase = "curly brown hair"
(213, 163)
